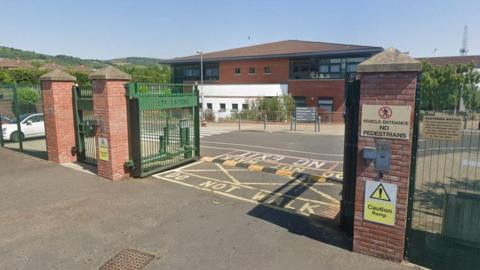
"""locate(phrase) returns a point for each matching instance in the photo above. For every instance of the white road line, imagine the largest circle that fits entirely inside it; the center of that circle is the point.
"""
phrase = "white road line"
(244, 150)
(271, 148)
(215, 170)
(227, 174)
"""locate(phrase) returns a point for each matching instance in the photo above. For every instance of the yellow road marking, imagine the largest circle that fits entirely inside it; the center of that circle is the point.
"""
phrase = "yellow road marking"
(227, 174)
(255, 168)
(284, 172)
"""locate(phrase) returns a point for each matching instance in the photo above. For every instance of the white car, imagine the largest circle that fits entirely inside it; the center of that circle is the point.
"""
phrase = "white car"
(31, 125)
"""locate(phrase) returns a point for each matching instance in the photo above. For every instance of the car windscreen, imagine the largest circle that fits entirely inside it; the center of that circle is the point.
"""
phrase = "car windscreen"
(21, 118)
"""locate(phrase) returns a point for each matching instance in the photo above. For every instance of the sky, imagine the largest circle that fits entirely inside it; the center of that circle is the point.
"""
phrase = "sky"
(164, 29)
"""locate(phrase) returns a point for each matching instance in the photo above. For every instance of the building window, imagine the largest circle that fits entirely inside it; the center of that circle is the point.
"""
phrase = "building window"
(234, 106)
(251, 71)
(209, 106)
(325, 104)
(300, 101)
(267, 70)
(244, 106)
(237, 71)
(322, 68)
(223, 107)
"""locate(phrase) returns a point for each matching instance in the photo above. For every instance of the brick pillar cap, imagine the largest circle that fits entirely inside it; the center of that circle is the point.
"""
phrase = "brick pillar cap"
(390, 60)
(58, 75)
(109, 73)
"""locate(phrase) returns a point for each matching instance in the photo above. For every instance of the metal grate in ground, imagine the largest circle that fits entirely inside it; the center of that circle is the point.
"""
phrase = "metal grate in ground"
(128, 259)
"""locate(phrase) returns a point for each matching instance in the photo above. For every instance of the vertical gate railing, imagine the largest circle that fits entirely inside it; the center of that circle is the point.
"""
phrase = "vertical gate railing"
(443, 225)
(85, 127)
(164, 126)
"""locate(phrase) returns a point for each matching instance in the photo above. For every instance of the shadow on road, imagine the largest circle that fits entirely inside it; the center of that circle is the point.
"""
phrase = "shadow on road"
(321, 228)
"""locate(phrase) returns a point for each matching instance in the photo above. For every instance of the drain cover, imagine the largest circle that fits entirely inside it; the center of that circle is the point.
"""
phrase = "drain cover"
(128, 259)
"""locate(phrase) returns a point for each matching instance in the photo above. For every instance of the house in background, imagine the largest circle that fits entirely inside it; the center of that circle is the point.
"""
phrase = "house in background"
(312, 73)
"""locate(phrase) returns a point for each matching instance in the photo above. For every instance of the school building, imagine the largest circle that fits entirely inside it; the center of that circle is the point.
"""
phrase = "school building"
(312, 73)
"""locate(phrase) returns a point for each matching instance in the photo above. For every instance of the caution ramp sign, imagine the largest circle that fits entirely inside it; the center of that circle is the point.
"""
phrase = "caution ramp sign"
(380, 202)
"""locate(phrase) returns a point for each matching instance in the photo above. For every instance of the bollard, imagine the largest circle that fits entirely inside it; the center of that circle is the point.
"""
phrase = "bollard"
(1, 134)
(319, 122)
(291, 121)
(265, 121)
(316, 122)
(239, 120)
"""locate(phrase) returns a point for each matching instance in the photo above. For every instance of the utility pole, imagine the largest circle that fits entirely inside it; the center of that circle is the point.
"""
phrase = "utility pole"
(204, 123)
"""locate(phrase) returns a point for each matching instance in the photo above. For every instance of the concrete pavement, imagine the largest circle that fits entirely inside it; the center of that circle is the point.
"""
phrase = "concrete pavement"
(54, 217)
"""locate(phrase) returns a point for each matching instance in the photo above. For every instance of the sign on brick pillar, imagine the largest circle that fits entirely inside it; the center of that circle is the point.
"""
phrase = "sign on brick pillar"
(387, 100)
(58, 113)
(110, 112)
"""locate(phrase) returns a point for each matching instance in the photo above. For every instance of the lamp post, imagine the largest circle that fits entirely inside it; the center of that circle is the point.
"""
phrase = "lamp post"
(204, 123)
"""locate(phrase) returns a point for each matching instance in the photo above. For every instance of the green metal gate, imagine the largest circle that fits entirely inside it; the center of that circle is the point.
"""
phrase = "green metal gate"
(164, 127)
(443, 223)
(85, 128)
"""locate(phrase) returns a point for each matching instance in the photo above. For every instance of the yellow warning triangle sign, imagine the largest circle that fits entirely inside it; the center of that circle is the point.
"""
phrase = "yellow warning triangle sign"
(380, 194)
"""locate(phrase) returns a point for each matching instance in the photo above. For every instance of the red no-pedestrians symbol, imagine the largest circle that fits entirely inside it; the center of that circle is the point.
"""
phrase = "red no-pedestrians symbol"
(385, 112)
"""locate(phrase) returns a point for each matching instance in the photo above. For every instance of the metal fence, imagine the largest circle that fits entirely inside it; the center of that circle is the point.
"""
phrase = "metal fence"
(444, 223)
(21, 119)
(163, 126)
(270, 120)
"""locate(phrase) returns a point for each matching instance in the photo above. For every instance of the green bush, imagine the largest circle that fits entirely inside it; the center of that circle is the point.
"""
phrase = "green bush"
(27, 96)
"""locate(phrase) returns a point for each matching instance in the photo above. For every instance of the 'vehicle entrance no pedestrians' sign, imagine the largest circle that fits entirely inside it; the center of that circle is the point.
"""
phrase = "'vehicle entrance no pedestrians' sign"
(380, 202)
(386, 121)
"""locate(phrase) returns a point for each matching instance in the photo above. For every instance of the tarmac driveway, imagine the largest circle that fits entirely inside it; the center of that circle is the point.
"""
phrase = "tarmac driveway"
(54, 217)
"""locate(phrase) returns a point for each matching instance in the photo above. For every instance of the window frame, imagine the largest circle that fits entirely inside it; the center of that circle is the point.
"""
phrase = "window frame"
(254, 71)
(265, 72)
(235, 71)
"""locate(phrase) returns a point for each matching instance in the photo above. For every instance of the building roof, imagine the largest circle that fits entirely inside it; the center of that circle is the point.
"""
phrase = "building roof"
(452, 60)
(286, 48)
(14, 63)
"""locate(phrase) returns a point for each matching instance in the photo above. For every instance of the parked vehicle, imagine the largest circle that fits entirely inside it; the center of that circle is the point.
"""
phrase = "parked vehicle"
(31, 125)
(4, 119)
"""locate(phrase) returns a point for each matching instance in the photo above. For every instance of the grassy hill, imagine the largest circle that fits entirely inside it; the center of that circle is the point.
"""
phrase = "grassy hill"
(38, 59)
(142, 69)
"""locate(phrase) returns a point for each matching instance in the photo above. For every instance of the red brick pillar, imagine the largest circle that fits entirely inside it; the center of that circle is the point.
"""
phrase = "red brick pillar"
(110, 112)
(388, 81)
(58, 111)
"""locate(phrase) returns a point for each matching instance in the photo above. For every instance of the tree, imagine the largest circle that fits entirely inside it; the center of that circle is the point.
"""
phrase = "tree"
(442, 86)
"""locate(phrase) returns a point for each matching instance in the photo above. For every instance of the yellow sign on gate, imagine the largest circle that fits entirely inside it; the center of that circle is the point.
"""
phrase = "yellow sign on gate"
(380, 202)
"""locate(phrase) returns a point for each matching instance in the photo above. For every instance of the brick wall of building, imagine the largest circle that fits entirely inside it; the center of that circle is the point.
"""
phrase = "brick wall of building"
(315, 89)
(383, 241)
(278, 67)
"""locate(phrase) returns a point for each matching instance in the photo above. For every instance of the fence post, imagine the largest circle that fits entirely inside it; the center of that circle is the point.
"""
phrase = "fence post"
(58, 113)
(291, 121)
(110, 112)
(388, 79)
